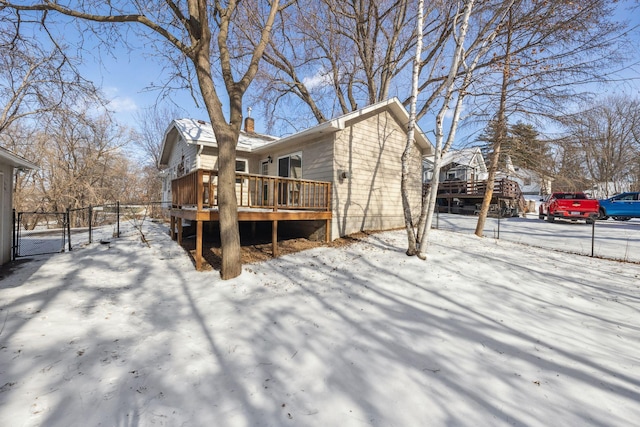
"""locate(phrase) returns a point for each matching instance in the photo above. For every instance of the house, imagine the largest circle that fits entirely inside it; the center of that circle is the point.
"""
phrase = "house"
(351, 163)
(531, 183)
(9, 163)
(463, 184)
(466, 164)
(604, 190)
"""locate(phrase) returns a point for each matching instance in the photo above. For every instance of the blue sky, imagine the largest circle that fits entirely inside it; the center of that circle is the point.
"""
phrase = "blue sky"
(126, 75)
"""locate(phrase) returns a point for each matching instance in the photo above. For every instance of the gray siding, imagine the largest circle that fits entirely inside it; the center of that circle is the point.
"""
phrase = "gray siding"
(370, 198)
(317, 158)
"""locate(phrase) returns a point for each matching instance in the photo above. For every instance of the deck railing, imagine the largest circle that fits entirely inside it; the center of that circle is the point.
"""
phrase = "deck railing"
(502, 188)
(199, 189)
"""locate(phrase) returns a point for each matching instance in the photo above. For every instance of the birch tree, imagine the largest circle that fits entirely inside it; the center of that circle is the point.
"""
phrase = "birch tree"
(202, 35)
(411, 127)
(450, 92)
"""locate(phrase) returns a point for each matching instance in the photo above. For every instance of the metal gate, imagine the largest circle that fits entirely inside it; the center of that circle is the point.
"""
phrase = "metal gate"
(39, 233)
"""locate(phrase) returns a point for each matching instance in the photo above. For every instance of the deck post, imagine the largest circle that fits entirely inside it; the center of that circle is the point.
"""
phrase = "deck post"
(327, 231)
(274, 239)
(180, 231)
(198, 245)
(172, 231)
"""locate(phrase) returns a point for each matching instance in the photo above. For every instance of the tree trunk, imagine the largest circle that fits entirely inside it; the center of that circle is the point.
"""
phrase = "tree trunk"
(406, 155)
(227, 204)
(500, 134)
(227, 139)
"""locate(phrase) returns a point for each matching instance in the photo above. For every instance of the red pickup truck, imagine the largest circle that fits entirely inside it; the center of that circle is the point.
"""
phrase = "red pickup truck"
(571, 206)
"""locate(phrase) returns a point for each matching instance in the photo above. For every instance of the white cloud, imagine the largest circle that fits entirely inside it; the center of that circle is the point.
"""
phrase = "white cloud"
(123, 104)
(317, 81)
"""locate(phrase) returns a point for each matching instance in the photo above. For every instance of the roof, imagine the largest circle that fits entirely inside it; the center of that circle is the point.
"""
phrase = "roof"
(14, 160)
(201, 133)
(393, 105)
(469, 157)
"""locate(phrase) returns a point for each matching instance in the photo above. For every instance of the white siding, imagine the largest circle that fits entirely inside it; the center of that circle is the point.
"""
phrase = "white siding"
(181, 150)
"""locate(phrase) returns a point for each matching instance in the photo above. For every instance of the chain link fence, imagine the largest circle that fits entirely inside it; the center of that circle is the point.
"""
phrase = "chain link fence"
(615, 240)
(39, 233)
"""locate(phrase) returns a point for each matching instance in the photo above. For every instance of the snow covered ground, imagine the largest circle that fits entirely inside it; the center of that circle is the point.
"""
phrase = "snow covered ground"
(485, 332)
(619, 240)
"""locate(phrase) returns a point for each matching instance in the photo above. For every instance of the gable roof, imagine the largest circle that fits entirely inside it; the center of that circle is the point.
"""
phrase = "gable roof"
(201, 133)
(468, 157)
(393, 105)
(14, 160)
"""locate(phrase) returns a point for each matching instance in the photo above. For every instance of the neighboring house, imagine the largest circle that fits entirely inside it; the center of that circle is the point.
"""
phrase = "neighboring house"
(531, 183)
(458, 165)
(9, 163)
(604, 190)
(358, 153)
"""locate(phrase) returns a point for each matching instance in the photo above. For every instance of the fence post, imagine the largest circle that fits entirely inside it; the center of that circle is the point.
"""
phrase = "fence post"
(499, 217)
(14, 241)
(593, 235)
(118, 218)
(90, 218)
(69, 226)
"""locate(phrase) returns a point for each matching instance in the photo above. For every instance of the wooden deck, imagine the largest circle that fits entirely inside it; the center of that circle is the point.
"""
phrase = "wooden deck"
(465, 196)
(260, 198)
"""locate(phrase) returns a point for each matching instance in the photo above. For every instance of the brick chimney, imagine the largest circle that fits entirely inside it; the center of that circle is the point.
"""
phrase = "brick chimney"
(249, 125)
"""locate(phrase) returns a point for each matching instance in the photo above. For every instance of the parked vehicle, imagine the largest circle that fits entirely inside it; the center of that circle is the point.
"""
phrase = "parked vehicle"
(621, 207)
(572, 206)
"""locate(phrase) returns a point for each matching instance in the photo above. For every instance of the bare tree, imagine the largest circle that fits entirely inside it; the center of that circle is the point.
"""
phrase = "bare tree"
(607, 136)
(151, 125)
(464, 57)
(35, 78)
(81, 161)
(412, 239)
(334, 57)
(542, 55)
(203, 34)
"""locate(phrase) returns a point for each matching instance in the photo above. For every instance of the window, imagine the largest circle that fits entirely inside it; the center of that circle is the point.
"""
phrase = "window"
(242, 166)
(290, 166)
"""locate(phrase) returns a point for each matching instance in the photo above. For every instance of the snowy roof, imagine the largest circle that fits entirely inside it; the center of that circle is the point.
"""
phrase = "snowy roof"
(470, 157)
(200, 132)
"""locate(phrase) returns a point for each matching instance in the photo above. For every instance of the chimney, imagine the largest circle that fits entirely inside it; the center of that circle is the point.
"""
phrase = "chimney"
(249, 125)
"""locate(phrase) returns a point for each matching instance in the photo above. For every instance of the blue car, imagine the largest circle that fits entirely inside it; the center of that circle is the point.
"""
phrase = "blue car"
(621, 207)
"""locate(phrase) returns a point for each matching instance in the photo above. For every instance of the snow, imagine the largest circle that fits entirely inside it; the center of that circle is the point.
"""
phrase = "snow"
(485, 332)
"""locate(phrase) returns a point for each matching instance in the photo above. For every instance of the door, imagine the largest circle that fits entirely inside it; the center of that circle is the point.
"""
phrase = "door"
(290, 166)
